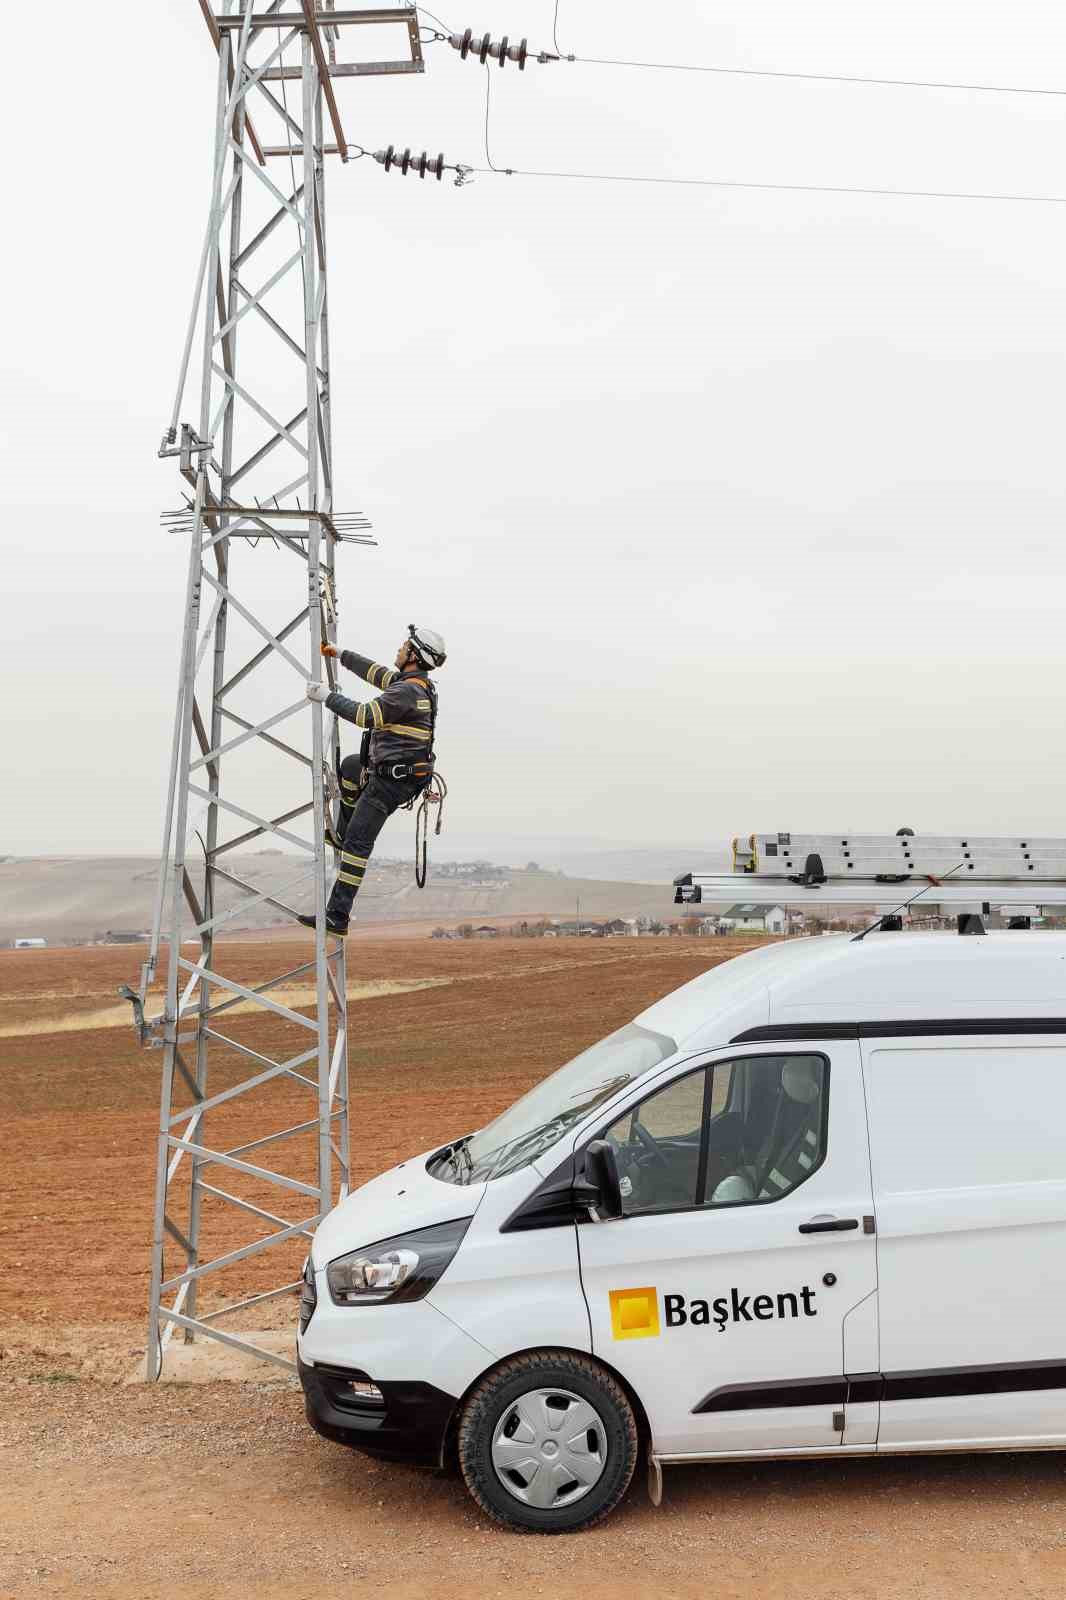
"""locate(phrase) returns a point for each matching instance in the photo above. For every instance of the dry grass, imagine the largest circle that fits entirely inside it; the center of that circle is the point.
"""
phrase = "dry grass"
(295, 995)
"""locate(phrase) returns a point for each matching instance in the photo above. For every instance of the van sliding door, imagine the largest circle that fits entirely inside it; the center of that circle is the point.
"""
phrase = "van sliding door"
(969, 1166)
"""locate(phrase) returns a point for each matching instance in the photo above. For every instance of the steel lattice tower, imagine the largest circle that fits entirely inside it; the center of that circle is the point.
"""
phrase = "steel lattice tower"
(260, 518)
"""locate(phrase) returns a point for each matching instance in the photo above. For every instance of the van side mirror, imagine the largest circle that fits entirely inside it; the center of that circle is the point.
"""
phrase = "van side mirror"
(601, 1190)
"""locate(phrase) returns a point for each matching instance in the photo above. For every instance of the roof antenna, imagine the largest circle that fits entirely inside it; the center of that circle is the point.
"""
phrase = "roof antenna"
(932, 884)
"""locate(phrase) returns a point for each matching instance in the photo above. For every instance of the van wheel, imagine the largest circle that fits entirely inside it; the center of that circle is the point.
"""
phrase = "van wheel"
(548, 1442)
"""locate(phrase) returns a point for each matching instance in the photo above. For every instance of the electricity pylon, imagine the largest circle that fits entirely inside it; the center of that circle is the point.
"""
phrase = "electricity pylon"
(263, 534)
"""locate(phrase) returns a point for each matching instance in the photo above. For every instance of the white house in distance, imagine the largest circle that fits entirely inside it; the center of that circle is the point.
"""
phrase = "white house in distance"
(747, 918)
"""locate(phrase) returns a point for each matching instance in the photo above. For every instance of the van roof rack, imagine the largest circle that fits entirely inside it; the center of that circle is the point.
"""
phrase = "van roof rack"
(968, 872)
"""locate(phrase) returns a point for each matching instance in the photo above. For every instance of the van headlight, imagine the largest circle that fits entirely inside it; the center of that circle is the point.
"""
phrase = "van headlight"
(399, 1269)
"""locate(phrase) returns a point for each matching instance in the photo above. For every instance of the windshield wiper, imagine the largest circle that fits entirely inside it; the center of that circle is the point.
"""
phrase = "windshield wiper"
(600, 1091)
(556, 1126)
(458, 1155)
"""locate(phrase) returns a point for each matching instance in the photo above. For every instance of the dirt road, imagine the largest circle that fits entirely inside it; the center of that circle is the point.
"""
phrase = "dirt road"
(222, 1490)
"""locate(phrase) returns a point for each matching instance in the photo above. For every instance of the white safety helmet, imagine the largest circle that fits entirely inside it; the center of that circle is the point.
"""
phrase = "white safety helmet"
(738, 1186)
(428, 646)
(802, 1081)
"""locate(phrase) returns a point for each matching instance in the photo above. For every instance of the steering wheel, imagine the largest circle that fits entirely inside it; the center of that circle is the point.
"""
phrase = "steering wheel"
(649, 1143)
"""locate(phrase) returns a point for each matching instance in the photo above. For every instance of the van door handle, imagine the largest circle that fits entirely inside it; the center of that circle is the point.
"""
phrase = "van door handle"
(829, 1225)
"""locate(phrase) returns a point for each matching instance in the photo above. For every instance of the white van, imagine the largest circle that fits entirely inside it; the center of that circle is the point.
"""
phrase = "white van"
(811, 1204)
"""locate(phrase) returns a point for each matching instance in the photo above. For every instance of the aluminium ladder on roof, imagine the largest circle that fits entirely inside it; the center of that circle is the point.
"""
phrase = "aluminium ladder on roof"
(873, 855)
(966, 871)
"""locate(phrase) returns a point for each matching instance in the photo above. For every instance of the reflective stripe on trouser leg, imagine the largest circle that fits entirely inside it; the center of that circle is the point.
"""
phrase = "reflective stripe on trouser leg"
(370, 814)
(350, 776)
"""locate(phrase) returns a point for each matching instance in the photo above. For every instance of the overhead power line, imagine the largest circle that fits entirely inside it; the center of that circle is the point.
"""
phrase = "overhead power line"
(785, 188)
(740, 183)
(799, 77)
(813, 77)
(486, 50)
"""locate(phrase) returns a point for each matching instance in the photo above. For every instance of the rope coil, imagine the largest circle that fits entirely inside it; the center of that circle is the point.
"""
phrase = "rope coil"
(434, 794)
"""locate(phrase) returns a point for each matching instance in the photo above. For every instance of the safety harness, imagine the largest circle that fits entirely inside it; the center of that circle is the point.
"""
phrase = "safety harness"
(433, 793)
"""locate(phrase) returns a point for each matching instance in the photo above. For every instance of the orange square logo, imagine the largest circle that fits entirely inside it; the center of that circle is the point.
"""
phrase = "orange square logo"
(634, 1313)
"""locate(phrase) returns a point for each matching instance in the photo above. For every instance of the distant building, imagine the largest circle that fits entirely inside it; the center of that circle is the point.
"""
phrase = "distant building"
(486, 932)
(747, 918)
(30, 944)
(124, 936)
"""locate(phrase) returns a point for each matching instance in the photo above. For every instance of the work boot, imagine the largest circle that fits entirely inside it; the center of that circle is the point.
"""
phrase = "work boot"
(340, 929)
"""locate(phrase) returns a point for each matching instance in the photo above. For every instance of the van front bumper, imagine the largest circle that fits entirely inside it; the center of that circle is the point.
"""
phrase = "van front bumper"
(411, 1425)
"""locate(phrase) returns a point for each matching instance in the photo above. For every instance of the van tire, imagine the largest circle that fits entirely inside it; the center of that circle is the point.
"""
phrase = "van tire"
(497, 1394)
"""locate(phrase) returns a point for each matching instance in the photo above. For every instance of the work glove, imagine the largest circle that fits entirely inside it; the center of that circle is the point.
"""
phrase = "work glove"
(318, 691)
(329, 649)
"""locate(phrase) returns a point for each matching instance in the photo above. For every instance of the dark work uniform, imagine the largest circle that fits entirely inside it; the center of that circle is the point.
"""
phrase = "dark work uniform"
(400, 725)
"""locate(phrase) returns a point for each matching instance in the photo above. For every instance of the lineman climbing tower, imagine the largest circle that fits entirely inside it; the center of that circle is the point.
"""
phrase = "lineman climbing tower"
(241, 1050)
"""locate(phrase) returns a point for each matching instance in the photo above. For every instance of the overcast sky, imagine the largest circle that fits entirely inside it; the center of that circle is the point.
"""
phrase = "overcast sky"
(738, 509)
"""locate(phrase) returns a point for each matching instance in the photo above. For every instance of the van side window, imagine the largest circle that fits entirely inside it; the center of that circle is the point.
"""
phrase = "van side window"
(739, 1132)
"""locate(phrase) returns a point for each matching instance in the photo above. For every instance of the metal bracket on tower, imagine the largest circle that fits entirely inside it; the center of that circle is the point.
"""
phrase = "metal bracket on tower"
(189, 445)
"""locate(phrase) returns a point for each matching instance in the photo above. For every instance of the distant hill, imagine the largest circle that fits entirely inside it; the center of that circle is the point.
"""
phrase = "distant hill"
(63, 898)
(642, 866)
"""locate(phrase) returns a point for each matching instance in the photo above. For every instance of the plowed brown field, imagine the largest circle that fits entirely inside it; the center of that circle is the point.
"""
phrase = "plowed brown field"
(79, 1104)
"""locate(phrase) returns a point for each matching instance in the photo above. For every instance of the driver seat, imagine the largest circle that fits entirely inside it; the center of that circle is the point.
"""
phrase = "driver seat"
(791, 1149)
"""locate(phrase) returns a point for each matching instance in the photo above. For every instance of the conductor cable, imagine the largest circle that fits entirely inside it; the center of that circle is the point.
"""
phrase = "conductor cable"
(781, 188)
(741, 183)
(798, 77)
(812, 77)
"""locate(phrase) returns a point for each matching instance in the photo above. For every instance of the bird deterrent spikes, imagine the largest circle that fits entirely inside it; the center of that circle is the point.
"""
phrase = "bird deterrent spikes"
(434, 166)
(501, 50)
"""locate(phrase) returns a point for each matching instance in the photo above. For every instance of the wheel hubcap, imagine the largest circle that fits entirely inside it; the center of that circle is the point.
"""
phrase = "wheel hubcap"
(549, 1448)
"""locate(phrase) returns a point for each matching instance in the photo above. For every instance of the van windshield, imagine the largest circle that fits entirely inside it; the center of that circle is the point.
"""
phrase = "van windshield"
(534, 1123)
